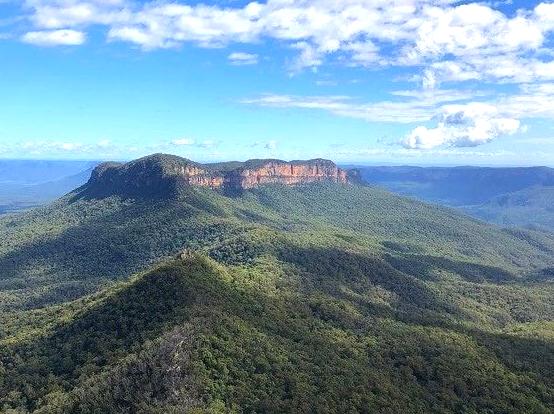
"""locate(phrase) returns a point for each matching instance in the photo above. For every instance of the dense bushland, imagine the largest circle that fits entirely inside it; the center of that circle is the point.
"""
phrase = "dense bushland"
(317, 298)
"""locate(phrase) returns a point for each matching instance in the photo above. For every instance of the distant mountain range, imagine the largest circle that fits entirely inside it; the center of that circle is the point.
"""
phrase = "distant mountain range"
(145, 291)
(506, 196)
(29, 183)
(31, 172)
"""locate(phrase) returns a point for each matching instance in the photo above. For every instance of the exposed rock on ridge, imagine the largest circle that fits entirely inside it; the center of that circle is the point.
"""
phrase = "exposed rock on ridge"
(166, 175)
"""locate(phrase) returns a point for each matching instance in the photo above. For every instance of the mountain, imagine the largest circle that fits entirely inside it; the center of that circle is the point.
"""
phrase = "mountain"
(27, 184)
(146, 292)
(505, 196)
(164, 175)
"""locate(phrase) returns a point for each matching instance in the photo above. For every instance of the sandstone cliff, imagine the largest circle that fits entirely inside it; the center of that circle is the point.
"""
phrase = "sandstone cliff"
(166, 175)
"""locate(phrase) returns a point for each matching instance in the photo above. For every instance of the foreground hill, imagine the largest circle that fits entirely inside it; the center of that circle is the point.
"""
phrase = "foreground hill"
(505, 196)
(311, 333)
(313, 297)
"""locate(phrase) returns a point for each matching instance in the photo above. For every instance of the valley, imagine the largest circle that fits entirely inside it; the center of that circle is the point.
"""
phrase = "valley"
(511, 197)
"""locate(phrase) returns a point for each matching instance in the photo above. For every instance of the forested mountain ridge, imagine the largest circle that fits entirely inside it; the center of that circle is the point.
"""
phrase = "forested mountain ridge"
(317, 297)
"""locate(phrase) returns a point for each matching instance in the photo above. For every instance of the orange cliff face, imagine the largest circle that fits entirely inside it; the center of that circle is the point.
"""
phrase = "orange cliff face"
(280, 172)
(196, 176)
(164, 175)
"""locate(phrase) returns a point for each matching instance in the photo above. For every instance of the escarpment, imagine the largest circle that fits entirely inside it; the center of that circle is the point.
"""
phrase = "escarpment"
(163, 175)
(258, 172)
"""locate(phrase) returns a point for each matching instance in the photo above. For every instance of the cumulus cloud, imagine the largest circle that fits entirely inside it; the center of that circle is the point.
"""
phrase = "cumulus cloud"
(449, 41)
(64, 37)
(441, 40)
(104, 143)
(463, 126)
(57, 14)
(240, 58)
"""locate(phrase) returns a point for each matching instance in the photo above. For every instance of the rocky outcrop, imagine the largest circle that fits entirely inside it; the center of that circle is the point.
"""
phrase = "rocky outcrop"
(166, 175)
(281, 172)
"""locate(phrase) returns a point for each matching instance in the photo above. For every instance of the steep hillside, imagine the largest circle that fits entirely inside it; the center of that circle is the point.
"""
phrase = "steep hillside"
(77, 244)
(313, 297)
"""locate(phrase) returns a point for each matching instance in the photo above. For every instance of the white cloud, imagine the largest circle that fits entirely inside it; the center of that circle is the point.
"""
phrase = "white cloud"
(463, 126)
(326, 82)
(65, 37)
(396, 153)
(364, 53)
(462, 118)
(104, 143)
(448, 41)
(418, 107)
(57, 14)
(544, 15)
(240, 58)
(443, 40)
(190, 142)
(183, 141)
(70, 148)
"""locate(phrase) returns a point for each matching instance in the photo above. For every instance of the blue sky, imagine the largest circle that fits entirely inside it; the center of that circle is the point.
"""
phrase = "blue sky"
(419, 82)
